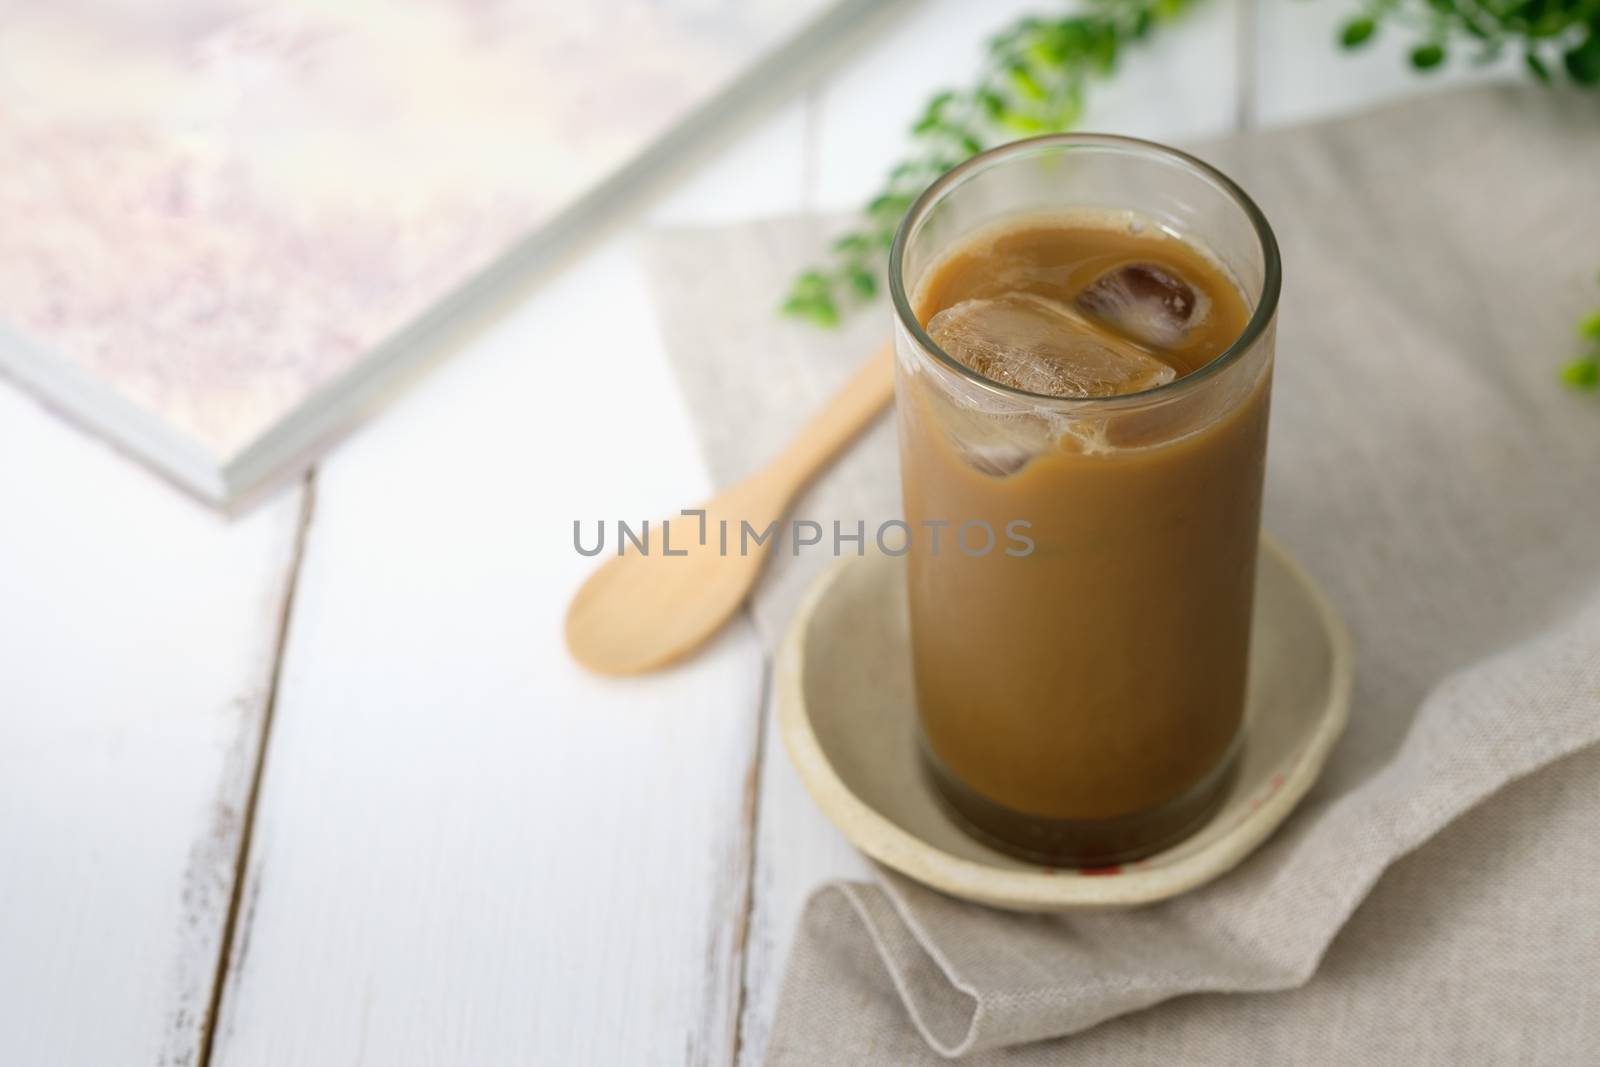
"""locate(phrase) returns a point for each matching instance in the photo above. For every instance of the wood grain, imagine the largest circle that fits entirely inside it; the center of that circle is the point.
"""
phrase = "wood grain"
(467, 849)
(138, 634)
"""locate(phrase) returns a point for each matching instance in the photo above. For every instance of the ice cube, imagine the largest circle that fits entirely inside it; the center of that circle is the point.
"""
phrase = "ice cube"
(1041, 345)
(1145, 302)
(1002, 452)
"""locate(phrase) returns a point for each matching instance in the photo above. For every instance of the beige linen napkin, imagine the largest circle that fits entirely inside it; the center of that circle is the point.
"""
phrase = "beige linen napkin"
(1431, 472)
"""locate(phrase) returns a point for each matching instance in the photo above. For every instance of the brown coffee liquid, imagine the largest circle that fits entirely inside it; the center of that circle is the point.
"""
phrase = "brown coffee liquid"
(1081, 705)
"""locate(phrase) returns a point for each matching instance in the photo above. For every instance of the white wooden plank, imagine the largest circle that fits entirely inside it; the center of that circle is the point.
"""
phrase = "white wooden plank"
(1301, 72)
(468, 850)
(1184, 86)
(1179, 85)
(137, 638)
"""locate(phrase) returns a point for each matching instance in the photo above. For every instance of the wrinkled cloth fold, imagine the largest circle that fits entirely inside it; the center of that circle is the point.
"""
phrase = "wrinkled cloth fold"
(1431, 472)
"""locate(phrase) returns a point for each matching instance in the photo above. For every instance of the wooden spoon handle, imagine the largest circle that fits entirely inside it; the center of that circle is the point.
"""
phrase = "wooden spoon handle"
(849, 412)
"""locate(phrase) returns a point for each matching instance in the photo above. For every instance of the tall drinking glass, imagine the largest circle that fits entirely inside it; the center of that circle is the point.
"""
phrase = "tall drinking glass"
(1081, 685)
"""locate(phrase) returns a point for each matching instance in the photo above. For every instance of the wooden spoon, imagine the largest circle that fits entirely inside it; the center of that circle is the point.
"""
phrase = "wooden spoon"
(643, 610)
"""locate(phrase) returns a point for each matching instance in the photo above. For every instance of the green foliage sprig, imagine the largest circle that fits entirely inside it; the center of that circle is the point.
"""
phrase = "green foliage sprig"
(1584, 372)
(1549, 33)
(1034, 80)
(1036, 77)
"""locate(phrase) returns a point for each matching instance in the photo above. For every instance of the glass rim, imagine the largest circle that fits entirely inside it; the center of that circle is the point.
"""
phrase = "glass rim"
(1261, 315)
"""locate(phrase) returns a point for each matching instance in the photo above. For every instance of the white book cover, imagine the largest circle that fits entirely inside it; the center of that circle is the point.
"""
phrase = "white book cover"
(225, 224)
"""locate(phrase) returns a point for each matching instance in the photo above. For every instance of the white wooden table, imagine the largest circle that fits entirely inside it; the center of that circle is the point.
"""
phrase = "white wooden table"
(319, 786)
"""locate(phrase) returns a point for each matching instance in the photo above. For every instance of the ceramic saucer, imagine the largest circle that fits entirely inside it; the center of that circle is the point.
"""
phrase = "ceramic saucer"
(846, 713)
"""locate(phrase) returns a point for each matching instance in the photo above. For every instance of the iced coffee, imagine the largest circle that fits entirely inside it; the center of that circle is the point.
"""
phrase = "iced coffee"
(1089, 379)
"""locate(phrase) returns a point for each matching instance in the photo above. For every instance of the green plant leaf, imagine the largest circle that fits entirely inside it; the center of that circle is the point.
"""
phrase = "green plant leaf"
(1023, 124)
(820, 310)
(1427, 56)
(1582, 373)
(863, 281)
(1024, 82)
(888, 204)
(811, 283)
(1590, 326)
(1104, 51)
(1357, 32)
(1536, 66)
(1583, 61)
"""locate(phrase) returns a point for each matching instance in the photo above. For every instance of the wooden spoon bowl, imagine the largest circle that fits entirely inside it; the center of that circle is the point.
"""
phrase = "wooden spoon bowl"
(645, 609)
